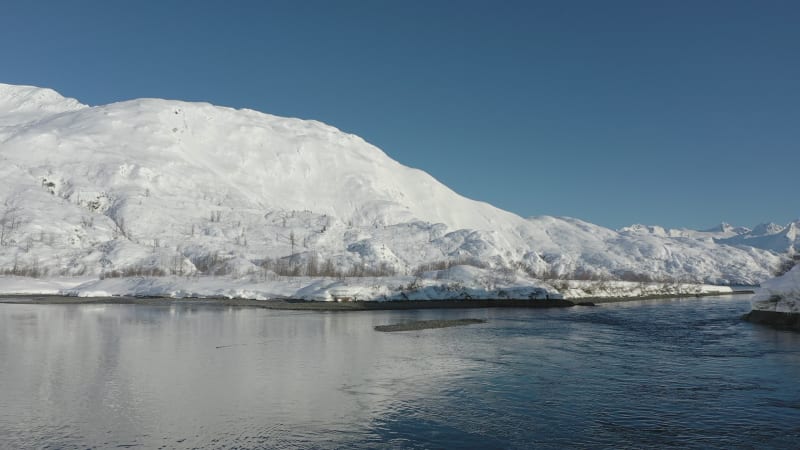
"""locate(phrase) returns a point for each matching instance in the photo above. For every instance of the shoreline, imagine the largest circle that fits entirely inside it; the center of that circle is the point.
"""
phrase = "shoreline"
(285, 304)
(310, 305)
(601, 300)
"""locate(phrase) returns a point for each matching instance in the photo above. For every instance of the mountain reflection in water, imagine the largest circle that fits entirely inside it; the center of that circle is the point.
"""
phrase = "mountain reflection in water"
(673, 373)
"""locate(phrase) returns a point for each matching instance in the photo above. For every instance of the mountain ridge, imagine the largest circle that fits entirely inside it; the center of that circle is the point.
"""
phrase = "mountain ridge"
(187, 187)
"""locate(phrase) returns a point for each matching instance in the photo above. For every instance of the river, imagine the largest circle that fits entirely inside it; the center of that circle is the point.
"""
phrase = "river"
(656, 374)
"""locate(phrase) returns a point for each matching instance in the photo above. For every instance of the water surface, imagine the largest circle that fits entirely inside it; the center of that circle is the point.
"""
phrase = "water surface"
(672, 373)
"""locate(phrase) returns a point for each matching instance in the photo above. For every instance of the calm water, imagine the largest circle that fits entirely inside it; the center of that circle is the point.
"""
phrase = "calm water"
(657, 374)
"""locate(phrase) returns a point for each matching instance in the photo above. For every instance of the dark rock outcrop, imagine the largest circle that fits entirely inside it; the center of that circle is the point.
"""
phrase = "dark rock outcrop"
(779, 320)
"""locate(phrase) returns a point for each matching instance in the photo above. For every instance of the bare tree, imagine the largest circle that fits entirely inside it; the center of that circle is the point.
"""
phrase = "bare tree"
(9, 222)
(292, 241)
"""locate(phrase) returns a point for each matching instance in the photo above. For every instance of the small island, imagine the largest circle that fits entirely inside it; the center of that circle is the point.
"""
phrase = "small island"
(427, 324)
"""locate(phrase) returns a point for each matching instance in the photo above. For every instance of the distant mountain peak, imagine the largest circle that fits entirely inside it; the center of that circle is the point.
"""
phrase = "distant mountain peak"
(763, 229)
(726, 228)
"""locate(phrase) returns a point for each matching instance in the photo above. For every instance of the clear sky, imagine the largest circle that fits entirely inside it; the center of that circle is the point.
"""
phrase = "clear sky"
(679, 113)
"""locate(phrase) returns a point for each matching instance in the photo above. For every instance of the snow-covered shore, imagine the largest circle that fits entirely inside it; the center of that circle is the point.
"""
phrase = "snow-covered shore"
(14, 285)
(459, 282)
(578, 289)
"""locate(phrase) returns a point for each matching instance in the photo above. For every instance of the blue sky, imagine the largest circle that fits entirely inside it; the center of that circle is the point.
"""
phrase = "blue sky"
(680, 113)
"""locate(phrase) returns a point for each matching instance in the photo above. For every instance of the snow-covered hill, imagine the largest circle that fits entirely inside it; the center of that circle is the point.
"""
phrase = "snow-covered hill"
(170, 187)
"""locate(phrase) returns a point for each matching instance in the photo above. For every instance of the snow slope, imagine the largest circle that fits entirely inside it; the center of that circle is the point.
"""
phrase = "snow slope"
(188, 188)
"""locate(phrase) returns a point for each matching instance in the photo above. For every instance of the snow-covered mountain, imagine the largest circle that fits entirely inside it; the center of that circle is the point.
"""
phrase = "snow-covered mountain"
(721, 231)
(176, 187)
(782, 239)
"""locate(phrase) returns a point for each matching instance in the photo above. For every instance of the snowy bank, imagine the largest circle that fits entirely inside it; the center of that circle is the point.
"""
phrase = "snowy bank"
(11, 285)
(781, 294)
(578, 289)
(458, 282)
(777, 303)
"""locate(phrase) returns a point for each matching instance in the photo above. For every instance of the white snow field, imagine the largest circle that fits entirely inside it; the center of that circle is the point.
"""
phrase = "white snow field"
(213, 199)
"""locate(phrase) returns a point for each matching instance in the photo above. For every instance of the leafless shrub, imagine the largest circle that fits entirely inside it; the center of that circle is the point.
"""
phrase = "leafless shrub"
(134, 271)
(312, 267)
(448, 263)
(30, 271)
